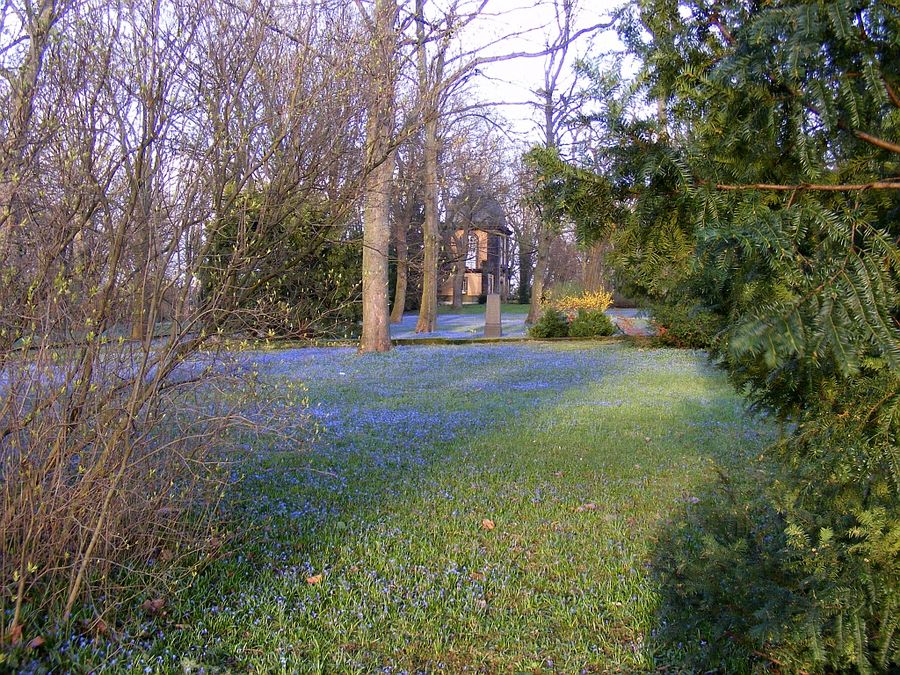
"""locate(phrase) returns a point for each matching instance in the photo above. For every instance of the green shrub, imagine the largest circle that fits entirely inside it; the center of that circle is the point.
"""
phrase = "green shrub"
(591, 324)
(305, 281)
(685, 326)
(794, 556)
(552, 324)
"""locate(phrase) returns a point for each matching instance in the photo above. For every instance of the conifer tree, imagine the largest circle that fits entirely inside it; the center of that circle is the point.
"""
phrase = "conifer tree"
(765, 185)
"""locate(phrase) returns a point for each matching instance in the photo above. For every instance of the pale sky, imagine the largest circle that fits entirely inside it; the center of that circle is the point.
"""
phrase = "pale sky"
(516, 79)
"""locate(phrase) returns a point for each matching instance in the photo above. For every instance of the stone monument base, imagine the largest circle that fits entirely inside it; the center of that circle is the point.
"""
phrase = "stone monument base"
(492, 325)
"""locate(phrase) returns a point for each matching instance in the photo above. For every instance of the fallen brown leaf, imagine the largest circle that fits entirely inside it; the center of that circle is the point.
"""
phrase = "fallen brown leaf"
(36, 642)
(14, 634)
(153, 607)
(94, 627)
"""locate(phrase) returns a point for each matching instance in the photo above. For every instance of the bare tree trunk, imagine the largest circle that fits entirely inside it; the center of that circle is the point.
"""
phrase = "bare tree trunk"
(431, 236)
(139, 320)
(143, 256)
(429, 96)
(459, 276)
(376, 336)
(662, 117)
(595, 272)
(525, 268)
(540, 272)
(402, 266)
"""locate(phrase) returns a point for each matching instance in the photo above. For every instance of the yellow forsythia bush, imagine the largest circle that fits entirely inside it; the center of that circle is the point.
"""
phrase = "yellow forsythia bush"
(588, 301)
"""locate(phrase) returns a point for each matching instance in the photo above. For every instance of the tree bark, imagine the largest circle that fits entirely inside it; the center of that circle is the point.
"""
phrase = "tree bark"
(662, 117)
(545, 239)
(376, 336)
(595, 272)
(429, 97)
(525, 265)
(402, 265)
(428, 308)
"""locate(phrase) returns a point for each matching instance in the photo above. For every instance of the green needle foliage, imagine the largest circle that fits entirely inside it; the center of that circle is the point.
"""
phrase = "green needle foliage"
(808, 277)
(766, 190)
(793, 557)
(565, 192)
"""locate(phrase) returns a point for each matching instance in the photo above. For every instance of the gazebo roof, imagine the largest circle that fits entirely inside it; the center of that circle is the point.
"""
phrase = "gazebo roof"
(482, 210)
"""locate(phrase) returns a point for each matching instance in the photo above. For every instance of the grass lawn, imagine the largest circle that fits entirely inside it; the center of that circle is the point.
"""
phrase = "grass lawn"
(505, 308)
(576, 453)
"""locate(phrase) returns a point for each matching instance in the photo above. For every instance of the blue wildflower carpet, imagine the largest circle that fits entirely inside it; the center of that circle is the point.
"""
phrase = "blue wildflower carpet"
(477, 508)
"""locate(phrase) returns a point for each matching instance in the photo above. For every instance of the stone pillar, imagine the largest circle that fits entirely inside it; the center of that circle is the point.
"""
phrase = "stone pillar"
(492, 326)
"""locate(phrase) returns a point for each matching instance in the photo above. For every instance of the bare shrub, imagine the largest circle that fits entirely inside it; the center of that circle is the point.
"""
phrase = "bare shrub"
(128, 130)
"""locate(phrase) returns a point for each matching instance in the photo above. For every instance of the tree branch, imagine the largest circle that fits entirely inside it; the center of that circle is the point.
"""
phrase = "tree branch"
(892, 93)
(715, 20)
(890, 184)
(878, 142)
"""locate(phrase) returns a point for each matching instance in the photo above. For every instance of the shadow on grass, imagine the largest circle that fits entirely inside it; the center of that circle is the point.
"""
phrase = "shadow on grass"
(719, 564)
(787, 561)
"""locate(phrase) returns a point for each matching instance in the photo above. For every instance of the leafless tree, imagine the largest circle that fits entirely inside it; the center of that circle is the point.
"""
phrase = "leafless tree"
(556, 101)
(443, 68)
(475, 176)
